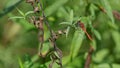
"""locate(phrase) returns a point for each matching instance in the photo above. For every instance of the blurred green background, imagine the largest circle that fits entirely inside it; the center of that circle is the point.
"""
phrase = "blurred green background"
(19, 39)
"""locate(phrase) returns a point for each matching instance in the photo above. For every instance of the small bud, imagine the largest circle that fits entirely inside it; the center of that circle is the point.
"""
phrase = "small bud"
(41, 18)
(60, 32)
(37, 24)
(36, 9)
(29, 1)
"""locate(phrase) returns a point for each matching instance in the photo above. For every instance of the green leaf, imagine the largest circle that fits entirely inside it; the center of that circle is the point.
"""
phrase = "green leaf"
(9, 6)
(20, 12)
(29, 12)
(116, 65)
(92, 11)
(16, 17)
(66, 23)
(52, 8)
(45, 48)
(67, 31)
(116, 38)
(97, 34)
(112, 25)
(27, 26)
(35, 58)
(71, 16)
(108, 9)
(76, 43)
(66, 59)
(12, 2)
(20, 63)
(93, 44)
(100, 55)
(103, 65)
(62, 12)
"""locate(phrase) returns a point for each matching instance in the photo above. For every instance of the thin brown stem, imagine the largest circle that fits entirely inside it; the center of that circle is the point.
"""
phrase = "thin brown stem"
(89, 58)
(52, 39)
(91, 49)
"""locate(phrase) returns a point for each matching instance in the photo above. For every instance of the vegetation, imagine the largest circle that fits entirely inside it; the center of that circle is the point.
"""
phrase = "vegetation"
(59, 34)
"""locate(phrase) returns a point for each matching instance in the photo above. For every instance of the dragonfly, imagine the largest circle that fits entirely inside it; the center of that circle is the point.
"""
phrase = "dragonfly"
(82, 26)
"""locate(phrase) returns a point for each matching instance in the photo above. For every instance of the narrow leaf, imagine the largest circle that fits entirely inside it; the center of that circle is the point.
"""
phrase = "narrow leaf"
(9, 6)
(66, 23)
(20, 12)
(16, 17)
(76, 43)
(97, 34)
(108, 9)
(116, 38)
(29, 12)
(67, 31)
(20, 63)
(71, 16)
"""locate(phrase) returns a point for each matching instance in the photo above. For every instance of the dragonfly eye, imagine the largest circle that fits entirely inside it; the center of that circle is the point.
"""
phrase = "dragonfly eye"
(81, 24)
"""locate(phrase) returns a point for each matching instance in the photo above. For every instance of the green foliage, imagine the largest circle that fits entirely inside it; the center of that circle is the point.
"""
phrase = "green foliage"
(9, 6)
(107, 6)
(19, 38)
(76, 43)
(52, 8)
